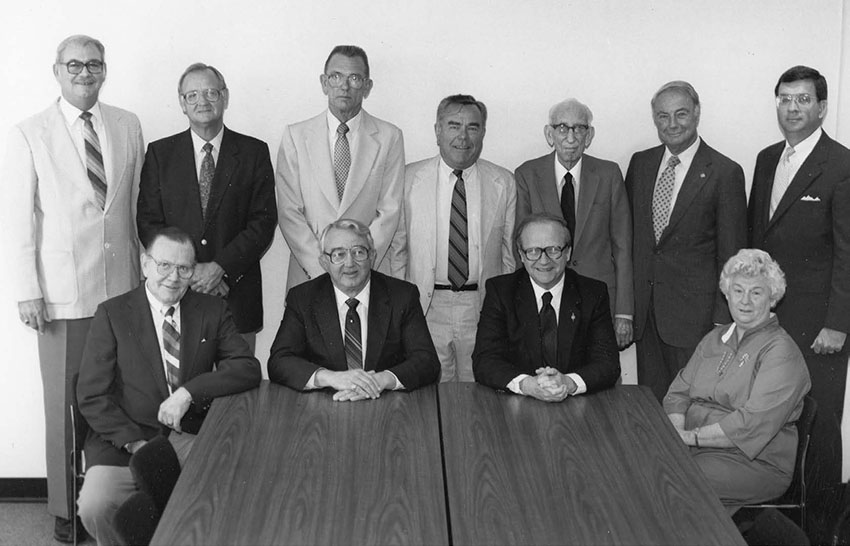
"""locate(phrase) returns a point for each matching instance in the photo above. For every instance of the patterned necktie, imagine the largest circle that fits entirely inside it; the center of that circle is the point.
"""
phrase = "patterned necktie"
(781, 180)
(342, 159)
(458, 236)
(94, 160)
(353, 346)
(548, 331)
(206, 177)
(663, 196)
(568, 204)
(171, 344)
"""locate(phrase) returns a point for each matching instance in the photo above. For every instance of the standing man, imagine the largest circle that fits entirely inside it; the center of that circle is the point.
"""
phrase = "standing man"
(459, 218)
(690, 215)
(70, 180)
(217, 185)
(342, 163)
(595, 206)
(799, 212)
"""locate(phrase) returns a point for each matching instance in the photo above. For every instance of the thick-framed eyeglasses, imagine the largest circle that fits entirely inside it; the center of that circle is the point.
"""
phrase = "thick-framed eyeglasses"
(802, 99)
(192, 97)
(563, 129)
(165, 268)
(75, 67)
(535, 253)
(355, 81)
(338, 255)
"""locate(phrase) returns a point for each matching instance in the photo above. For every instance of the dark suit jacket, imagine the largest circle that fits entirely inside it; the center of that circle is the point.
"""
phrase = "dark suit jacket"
(602, 243)
(707, 226)
(241, 213)
(309, 336)
(809, 236)
(122, 380)
(508, 340)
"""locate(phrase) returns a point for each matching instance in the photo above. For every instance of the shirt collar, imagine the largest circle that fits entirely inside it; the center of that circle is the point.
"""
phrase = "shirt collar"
(805, 146)
(157, 305)
(71, 113)
(447, 171)
(686, 156)
(353, 123)
(198, 142)
(556, 290)
(362, 296)
(560, 170)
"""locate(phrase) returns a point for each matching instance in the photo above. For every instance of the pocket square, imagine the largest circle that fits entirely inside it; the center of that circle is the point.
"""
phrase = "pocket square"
(204, 340)
(810, 198)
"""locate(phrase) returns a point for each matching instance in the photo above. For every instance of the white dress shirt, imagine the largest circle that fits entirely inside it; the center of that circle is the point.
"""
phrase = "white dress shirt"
(158, 311)
(561, 171)
(353, 133)
(75, 127)
(685, 160)
(802, 151)
(445, 189)
(198, 145)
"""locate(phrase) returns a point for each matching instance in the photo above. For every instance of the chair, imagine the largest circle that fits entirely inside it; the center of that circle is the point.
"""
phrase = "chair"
(795, 497)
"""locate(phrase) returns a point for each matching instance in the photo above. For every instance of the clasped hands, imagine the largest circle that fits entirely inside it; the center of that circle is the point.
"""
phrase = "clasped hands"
(353, 385)
(209, 279)
(548, 385)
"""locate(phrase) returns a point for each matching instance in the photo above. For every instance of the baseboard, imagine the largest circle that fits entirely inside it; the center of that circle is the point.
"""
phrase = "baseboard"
(23, 489)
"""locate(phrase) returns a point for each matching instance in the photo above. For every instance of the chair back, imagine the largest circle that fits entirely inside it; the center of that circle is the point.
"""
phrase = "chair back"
(796, 493)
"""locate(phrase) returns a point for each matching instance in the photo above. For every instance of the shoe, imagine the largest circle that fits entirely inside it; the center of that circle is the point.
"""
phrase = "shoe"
(63, 531)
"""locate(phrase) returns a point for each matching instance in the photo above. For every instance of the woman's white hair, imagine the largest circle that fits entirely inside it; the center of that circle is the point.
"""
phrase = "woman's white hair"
(752, 262)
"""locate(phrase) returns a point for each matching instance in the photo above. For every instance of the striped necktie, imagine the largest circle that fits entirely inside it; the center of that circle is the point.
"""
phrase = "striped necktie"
(171, 344)
(663, 196)
(353, 346)
(458, 237)
(94, 160)
(342, 159)
(206, 177)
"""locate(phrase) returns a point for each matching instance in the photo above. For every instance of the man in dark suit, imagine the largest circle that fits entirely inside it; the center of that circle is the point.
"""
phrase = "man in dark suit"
(218, 186)
(799, 212)
(545, 331)
(690, 215)
(154, 359)
(596, 207)
(320, 340)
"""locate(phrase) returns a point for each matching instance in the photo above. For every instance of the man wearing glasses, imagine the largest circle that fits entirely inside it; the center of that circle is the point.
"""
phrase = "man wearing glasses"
(799, 212)
(545, 331)
(343, 163)
(354, 330)
(68, 181)
(155, 359)
(218, 186)
(589, 194)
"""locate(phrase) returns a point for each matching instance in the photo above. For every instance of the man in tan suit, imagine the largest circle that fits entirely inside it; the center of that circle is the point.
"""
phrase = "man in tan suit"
(70, 179)
(342, 163)
(452, 190)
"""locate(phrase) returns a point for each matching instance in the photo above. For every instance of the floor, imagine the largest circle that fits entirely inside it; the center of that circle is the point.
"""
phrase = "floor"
(28, 524)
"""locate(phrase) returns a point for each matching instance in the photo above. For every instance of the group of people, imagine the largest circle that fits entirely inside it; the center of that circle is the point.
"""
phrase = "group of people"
(451, 268)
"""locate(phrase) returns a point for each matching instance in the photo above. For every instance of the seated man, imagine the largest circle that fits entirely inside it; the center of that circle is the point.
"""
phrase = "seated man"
(545, 331)
(320, 340)
(154, 359)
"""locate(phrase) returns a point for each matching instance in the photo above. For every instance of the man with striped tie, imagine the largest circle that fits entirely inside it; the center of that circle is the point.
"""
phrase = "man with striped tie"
(353, 330)
(154, 360)
(68, 180)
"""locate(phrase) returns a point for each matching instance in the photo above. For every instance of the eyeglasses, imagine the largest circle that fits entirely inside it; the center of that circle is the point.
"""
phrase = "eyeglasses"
(211, 95)
(165, 268)
(535, 253)
(578, 130)
(356, 81)
(75, 67)
(338, 255)
(802, 99)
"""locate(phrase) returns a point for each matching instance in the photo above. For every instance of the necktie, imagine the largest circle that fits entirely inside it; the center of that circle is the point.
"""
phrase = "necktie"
(353, 346)
(663, 196)
(171, 344)
(781, 180)
(206, 177)
(548, 331)
(458, 237)
(342, 159)
(568, 204)
(94, 160)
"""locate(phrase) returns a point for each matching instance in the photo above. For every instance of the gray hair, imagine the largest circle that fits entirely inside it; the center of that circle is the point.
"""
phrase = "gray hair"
(460, 101)
(677, 85)
(752, 262)
(200, 67)
(358, 228)
(541, 218)
(81, 40)
(570, 104)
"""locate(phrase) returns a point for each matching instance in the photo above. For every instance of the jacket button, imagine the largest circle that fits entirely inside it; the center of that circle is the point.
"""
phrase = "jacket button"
(204, 242)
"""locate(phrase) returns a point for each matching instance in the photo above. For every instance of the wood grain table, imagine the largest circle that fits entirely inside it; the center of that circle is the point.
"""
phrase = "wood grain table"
(275, 466)
(606, 468)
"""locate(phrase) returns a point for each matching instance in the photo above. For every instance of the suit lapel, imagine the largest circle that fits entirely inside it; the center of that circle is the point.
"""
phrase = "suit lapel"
(547, 186)
(117, 152)
(228, 162)
(490, 194)
(191, 326)
(423, 194)
(528, 316)
(588, 186)
(186, 178)
(811, 168)
(695, 179)
(772, 156)
(60, 145)
(647, 176)
(568, 318)
(144, 331)
(326, 317)
(320, 159)
(362, 162)
(379, 322)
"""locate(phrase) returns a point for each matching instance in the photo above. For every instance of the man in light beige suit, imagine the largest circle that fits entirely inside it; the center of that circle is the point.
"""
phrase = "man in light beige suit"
(342, 163)
(452, 305)
(70, 182)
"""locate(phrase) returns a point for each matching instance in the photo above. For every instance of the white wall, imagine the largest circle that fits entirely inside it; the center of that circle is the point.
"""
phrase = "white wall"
(518, 57)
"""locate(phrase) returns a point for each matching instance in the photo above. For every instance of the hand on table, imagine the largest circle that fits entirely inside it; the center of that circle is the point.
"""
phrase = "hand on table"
(172, 410)
(351, 384)
(828, 341)
(33, 313)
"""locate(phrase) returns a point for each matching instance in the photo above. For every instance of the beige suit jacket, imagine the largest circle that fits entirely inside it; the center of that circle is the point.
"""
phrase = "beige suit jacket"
(63, 248)
(495, 225)
(307, 197)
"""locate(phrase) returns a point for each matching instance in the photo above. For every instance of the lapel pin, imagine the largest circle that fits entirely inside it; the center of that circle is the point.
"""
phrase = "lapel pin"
(702, 175)
(204, 340)
(573, 317)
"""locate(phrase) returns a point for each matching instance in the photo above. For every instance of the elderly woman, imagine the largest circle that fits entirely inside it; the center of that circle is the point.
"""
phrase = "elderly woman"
(738, 398)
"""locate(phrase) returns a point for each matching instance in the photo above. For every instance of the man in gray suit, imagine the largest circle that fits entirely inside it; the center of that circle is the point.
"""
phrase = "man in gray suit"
(595, 208)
